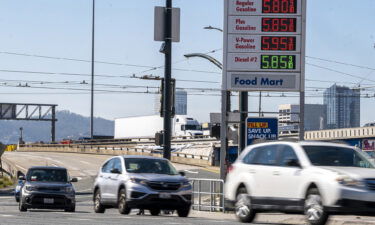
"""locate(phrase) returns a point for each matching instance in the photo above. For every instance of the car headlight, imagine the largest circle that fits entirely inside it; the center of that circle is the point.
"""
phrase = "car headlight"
(138, 181)
(185, 184)
(349, 181)
(30, 188)
(69, 189)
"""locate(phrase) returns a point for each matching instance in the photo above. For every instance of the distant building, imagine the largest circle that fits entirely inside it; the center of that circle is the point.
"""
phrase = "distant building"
(180, 103)
(343, 107)
(289, 117)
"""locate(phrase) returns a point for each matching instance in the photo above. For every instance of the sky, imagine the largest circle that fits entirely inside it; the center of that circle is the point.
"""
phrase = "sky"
(45, 47)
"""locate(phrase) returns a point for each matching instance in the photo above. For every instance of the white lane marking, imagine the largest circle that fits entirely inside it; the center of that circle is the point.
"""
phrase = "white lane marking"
(6, 197)
(189, 171)
(84, 162)
(89, 189)
(7, 215)
(23, 168)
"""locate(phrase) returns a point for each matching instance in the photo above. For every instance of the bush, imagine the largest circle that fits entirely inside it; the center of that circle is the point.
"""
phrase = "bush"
(5, 182)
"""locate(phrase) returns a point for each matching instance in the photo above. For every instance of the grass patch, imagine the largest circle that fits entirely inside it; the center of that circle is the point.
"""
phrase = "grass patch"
(5, 182)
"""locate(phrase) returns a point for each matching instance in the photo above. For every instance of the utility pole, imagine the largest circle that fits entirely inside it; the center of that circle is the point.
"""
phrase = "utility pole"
(167, 80)
(92, 71)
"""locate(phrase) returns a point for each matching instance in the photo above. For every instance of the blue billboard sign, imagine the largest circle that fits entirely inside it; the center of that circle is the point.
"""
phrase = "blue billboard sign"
(261, 128)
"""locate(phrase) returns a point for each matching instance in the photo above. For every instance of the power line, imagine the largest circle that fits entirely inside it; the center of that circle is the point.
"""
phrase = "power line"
(149, 68)
(98, 75)
(337, 71)
(341, 63)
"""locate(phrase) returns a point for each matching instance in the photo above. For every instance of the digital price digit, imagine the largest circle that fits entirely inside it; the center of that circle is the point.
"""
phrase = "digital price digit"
(279, 6)
(278, 43)
(281, 62)
(279, 24)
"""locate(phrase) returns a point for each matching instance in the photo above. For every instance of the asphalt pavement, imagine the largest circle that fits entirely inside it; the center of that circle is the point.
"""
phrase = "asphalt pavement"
(86, 166)
(9, 214)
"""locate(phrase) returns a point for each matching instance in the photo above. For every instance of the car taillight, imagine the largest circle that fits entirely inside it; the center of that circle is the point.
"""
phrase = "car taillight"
(230, 168)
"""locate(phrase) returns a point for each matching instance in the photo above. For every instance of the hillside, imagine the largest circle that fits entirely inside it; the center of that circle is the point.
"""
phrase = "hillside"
(68, 126)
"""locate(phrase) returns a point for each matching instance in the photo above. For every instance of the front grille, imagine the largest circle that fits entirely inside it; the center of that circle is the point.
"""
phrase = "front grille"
(57, 200)
(164, 186)
(370, 183)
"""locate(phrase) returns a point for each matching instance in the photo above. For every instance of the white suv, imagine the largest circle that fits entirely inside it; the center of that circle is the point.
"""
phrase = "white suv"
(315, 178)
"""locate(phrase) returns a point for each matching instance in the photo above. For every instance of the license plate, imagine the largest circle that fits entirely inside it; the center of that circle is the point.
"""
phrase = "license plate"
(165, 195)
(48, 201)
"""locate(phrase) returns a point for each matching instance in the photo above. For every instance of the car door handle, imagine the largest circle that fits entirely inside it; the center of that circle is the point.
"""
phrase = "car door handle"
(252, 171)
(276, 173)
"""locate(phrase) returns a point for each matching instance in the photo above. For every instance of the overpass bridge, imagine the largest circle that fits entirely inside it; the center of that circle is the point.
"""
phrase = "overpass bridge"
(361, 137)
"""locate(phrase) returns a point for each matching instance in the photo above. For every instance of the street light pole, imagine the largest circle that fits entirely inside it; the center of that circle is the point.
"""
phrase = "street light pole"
(243, 107)
(167, 81)
(92, 71)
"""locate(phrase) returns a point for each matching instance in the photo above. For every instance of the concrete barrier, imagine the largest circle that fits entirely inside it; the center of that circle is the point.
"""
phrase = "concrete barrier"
(182, 158)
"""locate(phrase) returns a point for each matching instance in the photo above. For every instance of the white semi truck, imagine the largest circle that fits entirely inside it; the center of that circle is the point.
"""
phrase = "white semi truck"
(148, 126)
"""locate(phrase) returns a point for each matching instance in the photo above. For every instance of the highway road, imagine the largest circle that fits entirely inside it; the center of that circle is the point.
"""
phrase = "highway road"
(9, 214)
(86, 166)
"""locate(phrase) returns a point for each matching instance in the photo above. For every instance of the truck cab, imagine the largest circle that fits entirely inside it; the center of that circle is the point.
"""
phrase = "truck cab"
(187, 126)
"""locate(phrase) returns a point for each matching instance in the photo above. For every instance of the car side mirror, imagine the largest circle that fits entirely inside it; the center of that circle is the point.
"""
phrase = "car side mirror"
(74, 179)
(21, 177)
(293, 163)
(182, 173)
(115, 170)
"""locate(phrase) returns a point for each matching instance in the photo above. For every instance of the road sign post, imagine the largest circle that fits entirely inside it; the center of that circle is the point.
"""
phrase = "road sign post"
(167, 29)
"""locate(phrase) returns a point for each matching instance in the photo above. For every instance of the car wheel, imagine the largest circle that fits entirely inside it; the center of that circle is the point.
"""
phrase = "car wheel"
(155, 212)
(72, 208)
(183, 212)
(243, 209)
(314, 209)
(122, 208)
(22, 206)
(98, 207)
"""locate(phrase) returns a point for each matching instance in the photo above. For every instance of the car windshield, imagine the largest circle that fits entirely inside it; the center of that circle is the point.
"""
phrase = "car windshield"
(336, 156)
(192, 127)
(47, 175)
(158, 166)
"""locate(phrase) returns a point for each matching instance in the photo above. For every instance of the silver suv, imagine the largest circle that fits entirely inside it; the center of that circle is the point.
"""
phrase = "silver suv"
(142, 182)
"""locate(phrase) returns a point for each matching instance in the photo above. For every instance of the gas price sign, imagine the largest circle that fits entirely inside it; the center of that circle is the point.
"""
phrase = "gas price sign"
(265, 39)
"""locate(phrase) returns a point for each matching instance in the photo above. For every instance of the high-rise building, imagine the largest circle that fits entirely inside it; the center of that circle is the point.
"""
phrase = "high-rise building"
(180, 103)
(289, 117)
(343, 107)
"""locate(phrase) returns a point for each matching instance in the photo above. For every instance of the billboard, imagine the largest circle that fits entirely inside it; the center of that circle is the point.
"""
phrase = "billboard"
(264, 45)
(368, 145)
(261, 128)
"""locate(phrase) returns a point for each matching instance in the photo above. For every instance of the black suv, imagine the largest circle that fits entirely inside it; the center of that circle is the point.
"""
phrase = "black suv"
(47, 188)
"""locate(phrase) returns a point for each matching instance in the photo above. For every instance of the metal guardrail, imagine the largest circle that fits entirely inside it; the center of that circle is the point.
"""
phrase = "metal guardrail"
(208, 194)
(113, 148)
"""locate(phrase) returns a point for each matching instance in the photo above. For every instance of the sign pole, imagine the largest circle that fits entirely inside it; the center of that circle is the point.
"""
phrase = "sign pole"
(167, 80)
(243, 115)
(302, 80)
